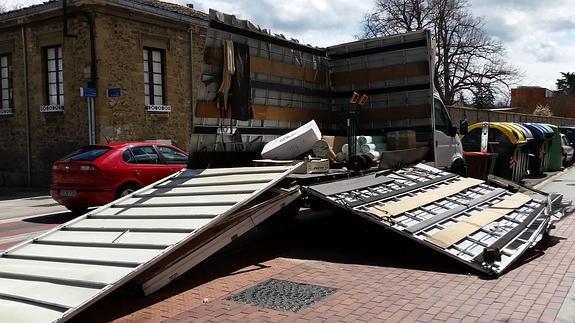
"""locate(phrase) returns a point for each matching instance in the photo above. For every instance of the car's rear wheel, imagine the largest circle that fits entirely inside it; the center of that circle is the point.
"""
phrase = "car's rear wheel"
(126, 190)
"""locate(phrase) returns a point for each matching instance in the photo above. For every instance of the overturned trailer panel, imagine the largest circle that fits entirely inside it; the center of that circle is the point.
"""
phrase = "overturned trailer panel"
(485, 227)
(161, 230)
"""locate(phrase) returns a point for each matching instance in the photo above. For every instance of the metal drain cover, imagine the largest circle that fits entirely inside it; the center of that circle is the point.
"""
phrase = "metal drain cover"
(282, 295)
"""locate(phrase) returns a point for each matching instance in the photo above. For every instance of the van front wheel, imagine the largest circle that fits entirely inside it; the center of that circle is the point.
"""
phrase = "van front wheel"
(459, 168)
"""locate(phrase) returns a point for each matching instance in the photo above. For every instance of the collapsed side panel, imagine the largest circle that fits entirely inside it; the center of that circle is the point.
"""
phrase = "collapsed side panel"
(481, 226)
(288, 84)
(395, 73)
(63, 271)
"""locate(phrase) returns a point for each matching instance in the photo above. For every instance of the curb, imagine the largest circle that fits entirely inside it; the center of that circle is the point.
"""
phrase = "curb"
(550, 179)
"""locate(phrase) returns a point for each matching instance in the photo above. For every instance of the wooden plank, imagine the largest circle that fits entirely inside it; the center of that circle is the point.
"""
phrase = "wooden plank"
(292, 71)
(395, 113)
(409, 203)
(385, 73)
(478, 219)
(208, 109)
(213, 56)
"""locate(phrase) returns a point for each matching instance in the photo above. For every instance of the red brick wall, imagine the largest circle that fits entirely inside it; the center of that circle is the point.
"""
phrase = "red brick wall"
(527, 99)
(562, 106)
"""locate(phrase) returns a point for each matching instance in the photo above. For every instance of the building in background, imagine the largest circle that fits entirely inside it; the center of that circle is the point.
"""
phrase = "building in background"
(147, 52)
(526, 98)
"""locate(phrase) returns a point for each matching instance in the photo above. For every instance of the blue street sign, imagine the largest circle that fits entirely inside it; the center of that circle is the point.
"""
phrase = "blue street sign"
(114, 92)
(88, 91)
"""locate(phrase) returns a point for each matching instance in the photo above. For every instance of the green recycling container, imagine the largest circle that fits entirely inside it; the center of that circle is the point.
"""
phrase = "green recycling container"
(555, 155)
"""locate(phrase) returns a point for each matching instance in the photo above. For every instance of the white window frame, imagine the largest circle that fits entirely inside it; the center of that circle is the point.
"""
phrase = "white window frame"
(54, 76)
(6, 90)
(154, 77)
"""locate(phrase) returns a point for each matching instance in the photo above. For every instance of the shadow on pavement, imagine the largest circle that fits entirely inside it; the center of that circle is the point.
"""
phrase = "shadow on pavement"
(18, 194)
(57, 218)
(324, 236)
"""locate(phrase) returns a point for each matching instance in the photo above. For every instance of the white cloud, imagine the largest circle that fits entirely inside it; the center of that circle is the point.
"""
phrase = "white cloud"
(539, 35)
(546, 51)
(317, 22)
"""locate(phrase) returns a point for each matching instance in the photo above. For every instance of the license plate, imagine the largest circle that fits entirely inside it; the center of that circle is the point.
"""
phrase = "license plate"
(68, 193)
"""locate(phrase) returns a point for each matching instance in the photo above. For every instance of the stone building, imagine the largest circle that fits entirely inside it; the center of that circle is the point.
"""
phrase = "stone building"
(148, 50)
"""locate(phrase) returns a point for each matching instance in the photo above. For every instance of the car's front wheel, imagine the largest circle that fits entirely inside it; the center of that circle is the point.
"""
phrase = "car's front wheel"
(126, 190)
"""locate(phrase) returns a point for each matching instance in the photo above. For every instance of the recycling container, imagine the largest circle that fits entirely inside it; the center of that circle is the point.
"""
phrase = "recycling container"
(507, 142)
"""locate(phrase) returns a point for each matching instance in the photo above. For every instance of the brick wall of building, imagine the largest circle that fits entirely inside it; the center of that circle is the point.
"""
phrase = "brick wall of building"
(120, 44)
(527, 98)
(13, 160)
(563, 106)
(120, 36)
(55, 134)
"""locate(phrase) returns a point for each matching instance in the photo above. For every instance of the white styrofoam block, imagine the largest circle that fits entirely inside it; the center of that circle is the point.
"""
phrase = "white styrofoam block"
(293, 143)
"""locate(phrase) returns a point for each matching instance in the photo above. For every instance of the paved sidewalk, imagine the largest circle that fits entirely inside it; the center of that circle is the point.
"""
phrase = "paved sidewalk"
(379, 276)
(21, 203)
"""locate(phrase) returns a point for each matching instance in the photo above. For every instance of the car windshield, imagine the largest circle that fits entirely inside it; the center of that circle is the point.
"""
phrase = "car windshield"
(90, 153)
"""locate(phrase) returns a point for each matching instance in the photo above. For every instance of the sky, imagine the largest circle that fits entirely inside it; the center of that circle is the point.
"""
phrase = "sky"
(538, 35)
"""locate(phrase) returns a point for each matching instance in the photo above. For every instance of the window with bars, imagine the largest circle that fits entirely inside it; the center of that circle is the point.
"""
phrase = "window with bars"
(54, 75)
(6, 101)
(154, 77)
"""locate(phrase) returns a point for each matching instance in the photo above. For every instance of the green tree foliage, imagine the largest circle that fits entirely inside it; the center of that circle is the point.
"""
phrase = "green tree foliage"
(484, 97)
(566, 84)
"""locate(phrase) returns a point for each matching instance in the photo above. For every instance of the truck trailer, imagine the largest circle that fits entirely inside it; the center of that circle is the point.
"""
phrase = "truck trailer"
(257, 85)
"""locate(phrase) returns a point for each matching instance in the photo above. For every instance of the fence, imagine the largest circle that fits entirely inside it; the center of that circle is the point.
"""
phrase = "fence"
(476, 115)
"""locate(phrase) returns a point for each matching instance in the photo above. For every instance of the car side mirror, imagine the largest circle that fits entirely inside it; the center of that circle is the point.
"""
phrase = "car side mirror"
(463, 127)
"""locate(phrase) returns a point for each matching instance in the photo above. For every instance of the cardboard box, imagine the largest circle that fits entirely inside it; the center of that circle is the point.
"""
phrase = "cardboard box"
(313, 166)
(335, 142)
(399, 140)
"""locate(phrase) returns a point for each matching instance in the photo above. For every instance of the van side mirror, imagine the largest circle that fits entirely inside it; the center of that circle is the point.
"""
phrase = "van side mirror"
(463, 127)
(452, 131)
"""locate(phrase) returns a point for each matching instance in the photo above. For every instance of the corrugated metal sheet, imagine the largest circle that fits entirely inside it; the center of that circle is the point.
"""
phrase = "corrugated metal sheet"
(53, 277)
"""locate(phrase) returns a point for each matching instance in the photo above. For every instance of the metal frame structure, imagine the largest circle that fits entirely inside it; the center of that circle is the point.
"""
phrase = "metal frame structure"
(164, 228)
(490, 248)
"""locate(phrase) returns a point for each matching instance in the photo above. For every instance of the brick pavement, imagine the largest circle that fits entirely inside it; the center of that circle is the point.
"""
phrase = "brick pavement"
(379, 276)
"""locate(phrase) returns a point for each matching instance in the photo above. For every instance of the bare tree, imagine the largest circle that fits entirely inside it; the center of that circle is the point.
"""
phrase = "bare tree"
(468, 60)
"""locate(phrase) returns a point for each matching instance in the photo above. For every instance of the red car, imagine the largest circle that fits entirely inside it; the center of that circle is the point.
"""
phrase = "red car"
(96, 175)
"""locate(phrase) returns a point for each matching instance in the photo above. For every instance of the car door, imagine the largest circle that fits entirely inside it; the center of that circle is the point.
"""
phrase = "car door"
(146, 164)
(174, 159)
(445, 142)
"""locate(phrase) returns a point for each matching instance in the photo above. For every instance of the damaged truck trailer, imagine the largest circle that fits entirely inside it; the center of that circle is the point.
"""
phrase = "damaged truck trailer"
(256, 86)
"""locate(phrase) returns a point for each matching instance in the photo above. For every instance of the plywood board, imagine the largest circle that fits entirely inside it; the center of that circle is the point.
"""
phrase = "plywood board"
(208, 109)
(405, 204)
(478, 219)
(213, 56)
(386, 73)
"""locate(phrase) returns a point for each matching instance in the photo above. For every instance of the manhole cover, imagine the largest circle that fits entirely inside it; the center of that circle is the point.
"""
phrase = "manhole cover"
(282, 295)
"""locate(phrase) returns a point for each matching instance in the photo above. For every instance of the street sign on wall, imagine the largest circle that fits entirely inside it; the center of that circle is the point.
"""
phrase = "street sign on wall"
(88, 91)
(114, 92)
